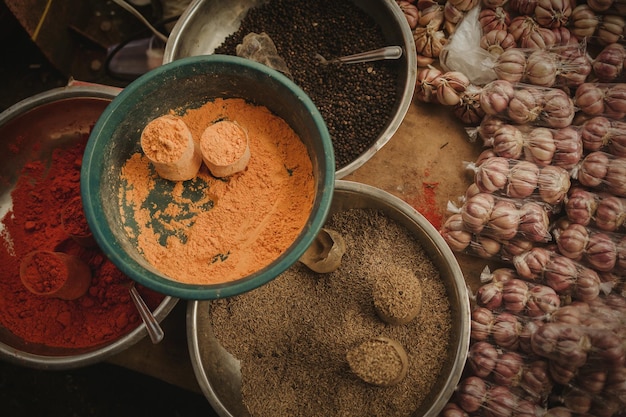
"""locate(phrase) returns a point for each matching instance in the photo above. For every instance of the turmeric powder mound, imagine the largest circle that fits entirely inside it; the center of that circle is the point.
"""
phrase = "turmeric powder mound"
(209, 230)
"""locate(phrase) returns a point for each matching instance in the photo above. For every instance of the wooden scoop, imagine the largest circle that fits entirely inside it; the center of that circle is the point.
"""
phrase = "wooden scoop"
(325, 253)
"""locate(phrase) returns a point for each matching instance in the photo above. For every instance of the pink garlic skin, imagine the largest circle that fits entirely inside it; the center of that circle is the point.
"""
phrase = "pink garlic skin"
(503, 221)
(615, 101)
(508, 142)
(503, 275)
(595, 133)
(589, 99)
(570, 314)
(621, 254)
(489, 296)
(607, 346)
(593, 169)
(534, 222)
(609, 63)
(523, 179)
(540, 146)
(587, 284)
(482, 322)
(485, 247)
(454, 233)
(563, 344)
(568, 148)
(515, 247)
(531, 265)
(471, 394)
(452, 410)
(561, 275)
(580, 206)
(562, 373)
(558, 110)
(543, 301)
(616, 177)
(525, 106)
(617, 139)
(506, 330)
(601, 252)
(577, 400)
(492, 175)
(528, 329)
(500, 402)
(495, 97)
(592, 379)
(508, 369)
(488, 128)
(558, 412)
(515, 294)
(536, 380)
(476, 212)
(482, 358)
(572, 241)
(553, 183)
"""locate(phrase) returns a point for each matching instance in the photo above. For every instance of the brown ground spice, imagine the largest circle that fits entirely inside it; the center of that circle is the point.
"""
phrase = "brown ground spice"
(210, 230)
(292, 335)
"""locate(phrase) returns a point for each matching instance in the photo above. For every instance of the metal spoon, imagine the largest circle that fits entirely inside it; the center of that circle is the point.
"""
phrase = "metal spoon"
(152, 325)
(388, 52)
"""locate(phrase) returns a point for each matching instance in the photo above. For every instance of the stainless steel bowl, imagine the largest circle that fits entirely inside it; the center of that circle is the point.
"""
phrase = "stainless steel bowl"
(57, 117)
(218, 372)
(206, 23)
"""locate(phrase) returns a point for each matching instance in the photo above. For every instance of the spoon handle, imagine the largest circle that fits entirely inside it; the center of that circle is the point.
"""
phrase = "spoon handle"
(388, 52)
(152, 325)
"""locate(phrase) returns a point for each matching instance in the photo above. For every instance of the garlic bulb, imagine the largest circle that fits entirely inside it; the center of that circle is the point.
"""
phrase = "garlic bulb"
(495, 97)
(511, 65)
(523, 179)
(525, 106)
(508, 142)
(553, 13)
(540, 146)
(541, 69)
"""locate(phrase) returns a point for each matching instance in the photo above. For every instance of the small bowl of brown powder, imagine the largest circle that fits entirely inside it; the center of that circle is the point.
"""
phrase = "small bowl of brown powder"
(208, 234)
(313, 344)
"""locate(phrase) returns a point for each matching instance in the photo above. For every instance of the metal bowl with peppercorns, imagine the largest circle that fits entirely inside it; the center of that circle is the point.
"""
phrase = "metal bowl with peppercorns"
(362, 104)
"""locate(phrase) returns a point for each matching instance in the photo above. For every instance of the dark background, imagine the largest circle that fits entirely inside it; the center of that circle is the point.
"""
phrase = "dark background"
(100, 390)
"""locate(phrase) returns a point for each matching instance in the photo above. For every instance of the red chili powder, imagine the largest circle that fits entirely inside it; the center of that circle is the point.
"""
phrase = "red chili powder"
(424, 200)
(45, 272)
(106, 312)
(74, 219)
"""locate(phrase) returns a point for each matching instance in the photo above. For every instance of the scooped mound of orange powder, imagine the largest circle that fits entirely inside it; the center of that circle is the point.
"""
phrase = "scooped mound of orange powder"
(213, 230)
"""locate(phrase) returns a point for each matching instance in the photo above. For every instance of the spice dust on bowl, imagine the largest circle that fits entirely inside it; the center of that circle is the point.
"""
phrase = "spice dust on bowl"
(63, 303)
(207, 177)
(384, 332)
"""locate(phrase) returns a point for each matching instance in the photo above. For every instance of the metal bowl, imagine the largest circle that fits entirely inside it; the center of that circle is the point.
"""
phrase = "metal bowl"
(218, 372)
(183, 84)
(206, 23)
(57, 117)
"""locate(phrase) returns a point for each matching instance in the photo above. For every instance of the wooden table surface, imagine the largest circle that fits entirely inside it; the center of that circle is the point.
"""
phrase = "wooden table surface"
(421, 164)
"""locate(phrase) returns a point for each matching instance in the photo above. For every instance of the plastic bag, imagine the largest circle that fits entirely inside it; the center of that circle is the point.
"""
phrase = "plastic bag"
(463, 52)
(259, 47)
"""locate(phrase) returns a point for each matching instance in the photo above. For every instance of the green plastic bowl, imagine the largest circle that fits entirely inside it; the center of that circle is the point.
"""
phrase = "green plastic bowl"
(182, 84)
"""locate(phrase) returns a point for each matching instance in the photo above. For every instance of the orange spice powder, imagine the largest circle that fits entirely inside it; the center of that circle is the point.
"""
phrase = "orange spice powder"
(217, 230)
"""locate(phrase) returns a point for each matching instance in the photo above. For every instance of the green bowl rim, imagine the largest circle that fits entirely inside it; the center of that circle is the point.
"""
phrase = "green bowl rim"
(90, 186)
